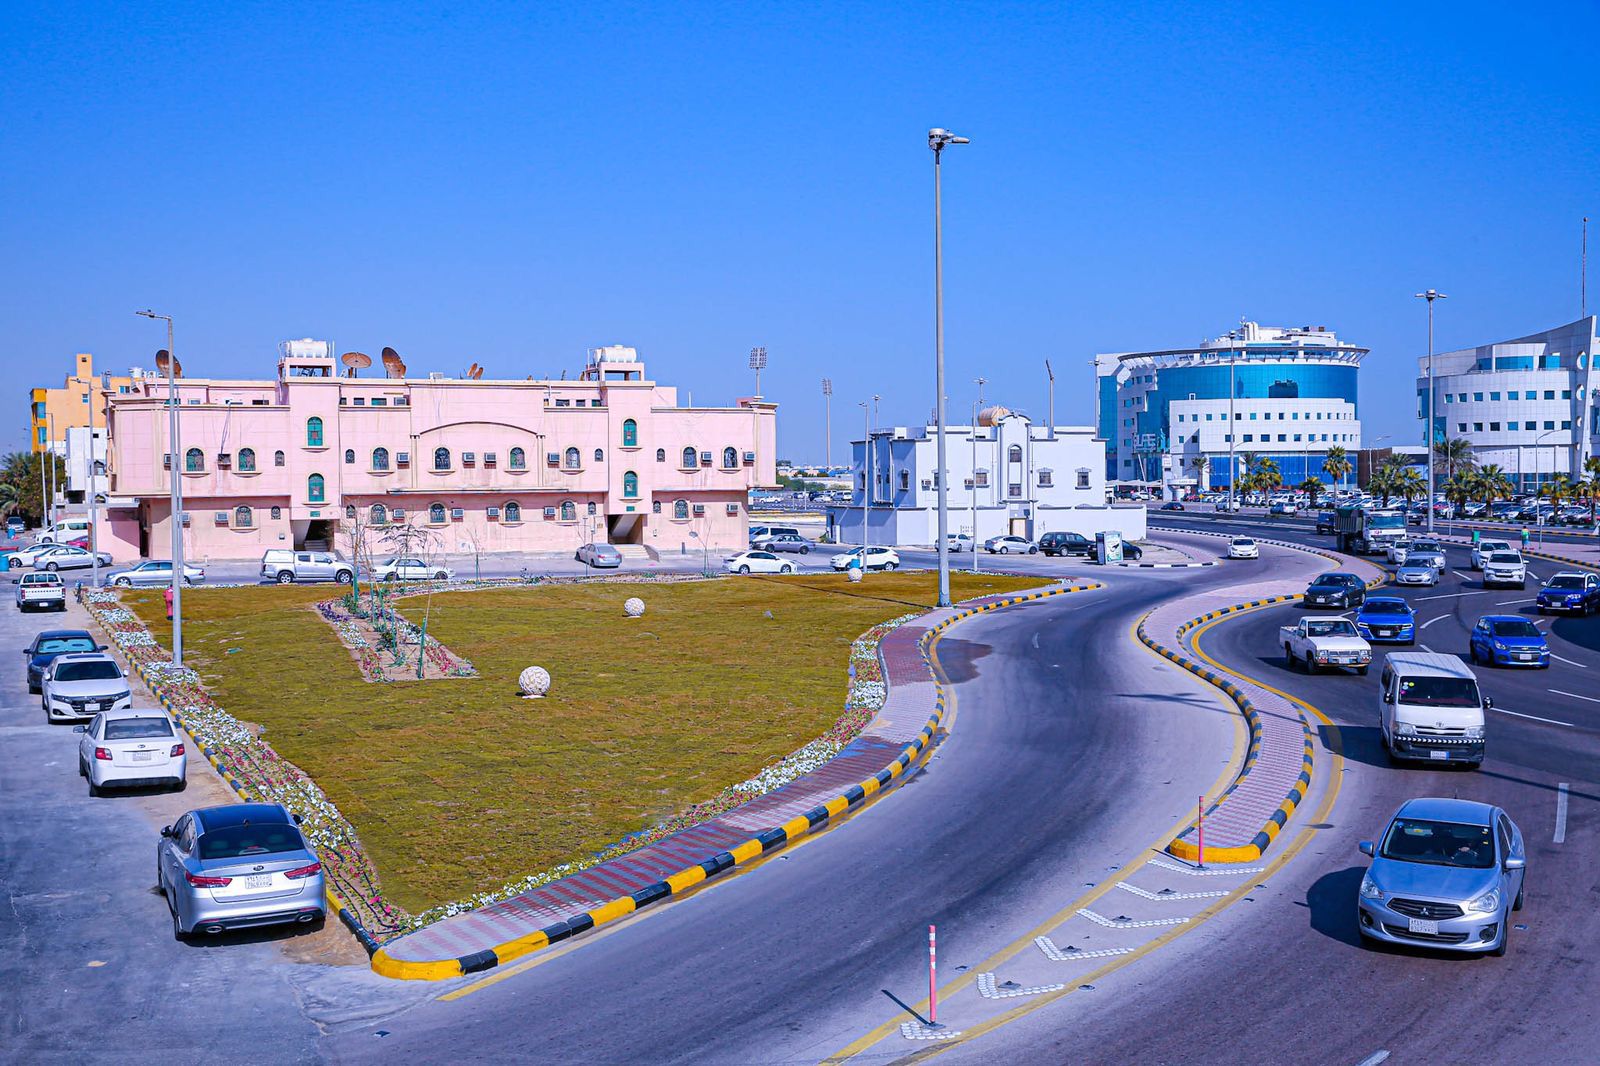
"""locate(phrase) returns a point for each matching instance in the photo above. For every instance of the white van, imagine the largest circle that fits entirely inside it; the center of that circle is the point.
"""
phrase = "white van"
(68, 529)
(1430, 709)
(767, 532)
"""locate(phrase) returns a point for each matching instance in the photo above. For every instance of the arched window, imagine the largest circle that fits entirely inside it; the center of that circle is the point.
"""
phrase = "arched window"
(680, 508)
(730, 458)
(194, 459)
(630, 433)
(378, 515)
(573, 460)
(513, 511)
(630, 485)
(350, 456)
(690, 461)
(380, 458)
(315, 489)
(242, 518)
(247, 460)
(519, 459)
(599, 455)
(277, 458)
(436, 513)
(1014, 453)
(661, 455)
(350, 511)
(313, 432)
(277, 513)
(441, 458)
(569, 511)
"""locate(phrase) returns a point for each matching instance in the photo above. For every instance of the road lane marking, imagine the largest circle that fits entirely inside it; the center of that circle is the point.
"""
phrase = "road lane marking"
(1569, 662)
(1463, 577)
(1574, 695)
(1430, 621)
(1533, 717)
(1036, 641)
(1425, 648)
(1561, 813)
(1453, 595)
(1507, 603)
(1374, 1058)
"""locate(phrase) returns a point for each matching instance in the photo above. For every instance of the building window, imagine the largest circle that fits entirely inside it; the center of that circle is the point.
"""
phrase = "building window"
(194, 460)
(599, 455)
(441, 458)
(1014, 453)
(378, 515)
(1566, 423)
(690, 460)
(1494, 396)
(519, 459)
(630, 433)
(1511, 427)
(242, 518)
(247, 460)
(436, 514)
(573, 459)
(380, 458)
(1461, 427)
(1083, 478)
(277, 458)
(569, 511)
(1014, 491)
(905, 481)
(680, 509)
(1549, 425)
(313, 432)
(1566, 394)
(1494, 427)
(661, 455)
(315, 488)
(730, 458)
(982, 478)
(1477, 427)
(630, 485)
(350, 457)
(1046, 479)
(513, 511)
(350, 511)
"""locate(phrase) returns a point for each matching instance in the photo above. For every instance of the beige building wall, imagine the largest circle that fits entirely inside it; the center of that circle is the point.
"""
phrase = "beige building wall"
(51, 412)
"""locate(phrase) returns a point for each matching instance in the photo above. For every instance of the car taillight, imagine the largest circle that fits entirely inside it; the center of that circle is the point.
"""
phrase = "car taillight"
(103, 753)
(202, 881)
(177, 749)
(303, 871)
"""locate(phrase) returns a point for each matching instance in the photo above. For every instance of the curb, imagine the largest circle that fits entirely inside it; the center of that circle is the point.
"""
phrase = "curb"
(693, 875)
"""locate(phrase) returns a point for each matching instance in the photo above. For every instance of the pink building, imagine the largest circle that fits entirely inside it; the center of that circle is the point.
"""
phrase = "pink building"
(489, 466)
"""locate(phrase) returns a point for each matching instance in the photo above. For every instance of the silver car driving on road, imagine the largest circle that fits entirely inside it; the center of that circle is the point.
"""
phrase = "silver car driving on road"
(238, 866)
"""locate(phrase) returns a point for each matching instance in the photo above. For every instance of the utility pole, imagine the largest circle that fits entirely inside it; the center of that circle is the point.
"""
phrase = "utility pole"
(977, 405)
(827, 423)
(175, 479)
(1431, 295)
(1051, 374)
(94, 503)
(1233, 390)
(938, 139)
(866, 478)
(50, 423)
(1583, 273)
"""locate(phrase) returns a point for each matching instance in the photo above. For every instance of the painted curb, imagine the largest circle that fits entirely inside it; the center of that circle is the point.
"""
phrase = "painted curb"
(693, 875)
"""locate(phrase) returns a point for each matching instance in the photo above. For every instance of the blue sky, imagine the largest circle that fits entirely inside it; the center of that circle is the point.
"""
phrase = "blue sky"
(511, 184)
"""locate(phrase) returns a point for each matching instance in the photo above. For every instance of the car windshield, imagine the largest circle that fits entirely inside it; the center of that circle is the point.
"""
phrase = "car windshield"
(1328, 581)
(1515, 627)
(239, 841)
(1505, 557)
(1386, 607)
(1565, 581)
(1492, 546)
(41, 579)
(1440, 843)
(1387, 521)
(137, 728)
(96, 671)
(63, 645)
(1244, 542)
(1331, 628)
(1439, 692)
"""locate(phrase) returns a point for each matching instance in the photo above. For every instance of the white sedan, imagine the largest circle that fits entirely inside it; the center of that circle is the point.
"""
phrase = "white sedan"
(1243, 548)
(758, 562)
(410, 568)
(1009, 544)
(131, 748)
(876, 559)
(67, 557)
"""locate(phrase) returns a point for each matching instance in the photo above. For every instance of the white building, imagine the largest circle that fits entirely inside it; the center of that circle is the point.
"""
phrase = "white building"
(1006, 476)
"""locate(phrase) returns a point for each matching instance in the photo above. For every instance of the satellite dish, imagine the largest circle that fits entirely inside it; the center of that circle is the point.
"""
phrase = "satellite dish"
(354, 361)
(392, 364)
(475, 372)
(163, 358)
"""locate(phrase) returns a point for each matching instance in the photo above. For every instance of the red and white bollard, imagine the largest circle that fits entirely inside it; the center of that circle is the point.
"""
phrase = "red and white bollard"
(1200, 824)
(933, 980)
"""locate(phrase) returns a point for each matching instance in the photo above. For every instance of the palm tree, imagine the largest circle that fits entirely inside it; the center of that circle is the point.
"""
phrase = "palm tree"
(1385, 481)
(1557, 489)
(1493, 483)
(1461, 488)
(1200, 464)
(1313, 488)
(1266, 475)
(1337, 464)
(1410, 484)
(1456, 455)
(1590, 486)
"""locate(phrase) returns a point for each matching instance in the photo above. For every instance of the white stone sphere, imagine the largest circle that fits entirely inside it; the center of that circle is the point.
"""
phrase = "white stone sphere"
(855, 573)
(534, 681)
(634, 607)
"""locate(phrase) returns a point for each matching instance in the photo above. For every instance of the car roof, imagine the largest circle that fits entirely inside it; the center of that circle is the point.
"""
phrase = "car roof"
(1429, 664)
(1504, 618)
(59, 634)
(1567, 573)
(1385, 601)
(1335, 573)
(242, 813)
(84, 657)
(133, 712)
(1464, 812)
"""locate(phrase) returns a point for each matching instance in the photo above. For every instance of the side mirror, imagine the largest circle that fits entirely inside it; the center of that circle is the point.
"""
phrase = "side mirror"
(80, 729)
(1488, 704)
(1514, 863)
(1388, 697)
(296, 818)
(166, 830)
(1366, 847)
(99, 647)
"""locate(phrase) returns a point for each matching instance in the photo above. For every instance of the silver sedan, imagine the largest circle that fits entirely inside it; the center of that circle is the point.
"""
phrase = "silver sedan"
(238, 866)
(156, 572)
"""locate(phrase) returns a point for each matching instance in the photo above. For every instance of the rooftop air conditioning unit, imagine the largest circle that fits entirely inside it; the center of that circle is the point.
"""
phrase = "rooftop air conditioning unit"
(224, 461)
(435, 375)
(469, 458)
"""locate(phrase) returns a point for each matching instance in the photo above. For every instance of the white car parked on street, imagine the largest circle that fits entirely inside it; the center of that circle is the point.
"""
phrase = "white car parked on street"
(131, 748)
(410, 568)
(876, 559)
(1009, 545)
(83, 684)
(758, 562)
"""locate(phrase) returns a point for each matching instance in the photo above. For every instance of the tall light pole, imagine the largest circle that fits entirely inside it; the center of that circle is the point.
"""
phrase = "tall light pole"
(758, 363)
(1427, 440)
(827, 423)
(94, 501)
(174, 478)
(938, 139)
(866, 477)
(977, 405)
(50, 423)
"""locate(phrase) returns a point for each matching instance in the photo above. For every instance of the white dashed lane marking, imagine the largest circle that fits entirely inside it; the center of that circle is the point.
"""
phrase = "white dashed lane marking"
(1573, 695)
(1561, 813)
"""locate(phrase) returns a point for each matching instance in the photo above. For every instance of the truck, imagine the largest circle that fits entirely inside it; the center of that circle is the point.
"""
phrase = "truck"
(1363, 530)
(43, 590)
(1319, 642)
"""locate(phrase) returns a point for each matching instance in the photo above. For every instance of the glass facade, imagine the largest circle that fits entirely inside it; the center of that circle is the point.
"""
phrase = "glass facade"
(1251, 381)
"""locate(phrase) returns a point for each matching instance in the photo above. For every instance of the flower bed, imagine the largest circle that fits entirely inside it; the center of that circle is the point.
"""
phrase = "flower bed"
(374, 629)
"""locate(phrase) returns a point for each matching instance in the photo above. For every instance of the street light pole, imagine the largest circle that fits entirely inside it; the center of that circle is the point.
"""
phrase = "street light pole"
(50, 423)
(174, 477)
(938, 139)
(1233, 427)
(827, 423)
(94, 506)
(976, 405)
(1431, 295)
(866, 475)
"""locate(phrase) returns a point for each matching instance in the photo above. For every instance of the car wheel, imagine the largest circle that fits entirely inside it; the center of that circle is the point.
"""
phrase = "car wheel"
(805, 551)
(891, 566)
(182, 785)
(388, 577)
(94, 790)
(285, 577)
(1033, 551)
(83, 771)
(177, 925)
(123, 582)
(785, 569)
(1288, 658)
(441, 576)
(343, 577)
(1516, 904)
(744, 569)
(14, 563)
(1003, 550)
(51, 566)
(1499, 950)
(33, 689)
(1311, 663)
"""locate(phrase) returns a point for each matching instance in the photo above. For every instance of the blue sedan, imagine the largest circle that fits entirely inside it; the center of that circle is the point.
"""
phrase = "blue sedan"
(1387, 620)
(1509, 640)
(50, 643)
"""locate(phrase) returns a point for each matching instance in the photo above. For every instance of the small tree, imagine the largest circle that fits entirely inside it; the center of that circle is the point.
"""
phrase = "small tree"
(1313, 488)
(357, 536)
(1200, 464)
(1337, 464)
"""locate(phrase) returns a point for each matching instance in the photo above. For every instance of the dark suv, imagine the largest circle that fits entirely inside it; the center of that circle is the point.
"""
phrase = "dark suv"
(1340, 590)
(1066, 544)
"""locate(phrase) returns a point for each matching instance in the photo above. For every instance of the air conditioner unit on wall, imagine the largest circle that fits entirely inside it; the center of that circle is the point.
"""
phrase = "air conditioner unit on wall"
(549, 512)
(733, 509)
(492, 513)
(705, 458)
(749, 457)
(457, 514)
(552, 458)
(699, 510)
(488, 459)
(398, 514)
(402, 459)
(469, 458)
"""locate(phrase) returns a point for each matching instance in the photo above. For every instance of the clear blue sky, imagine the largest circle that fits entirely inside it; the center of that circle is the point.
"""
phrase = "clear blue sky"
(514, 183)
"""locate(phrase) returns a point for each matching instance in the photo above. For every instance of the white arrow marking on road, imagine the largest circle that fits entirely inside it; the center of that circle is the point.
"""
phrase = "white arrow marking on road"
(1036, 642)
(1561, 813)
(1463, 577)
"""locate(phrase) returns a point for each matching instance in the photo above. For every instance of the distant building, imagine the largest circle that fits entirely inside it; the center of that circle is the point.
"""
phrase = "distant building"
(51, 412)
(1293, 396)
(1526, 405)
(1006, 476)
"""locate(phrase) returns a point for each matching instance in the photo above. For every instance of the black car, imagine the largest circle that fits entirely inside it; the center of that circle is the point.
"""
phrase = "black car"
(1066, 544)
(1340, 590)
(1325, 522)
(1174, 506)
(52, 642)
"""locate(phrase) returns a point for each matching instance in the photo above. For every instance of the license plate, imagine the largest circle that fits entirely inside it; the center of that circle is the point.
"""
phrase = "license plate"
(1422, 925)
(1525, 658)
(1385, 632)
(143, 756)
(258, 881)
(1438, 754)
(92, 708)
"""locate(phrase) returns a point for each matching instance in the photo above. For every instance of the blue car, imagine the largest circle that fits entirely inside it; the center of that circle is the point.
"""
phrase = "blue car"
(1570, 591)
(52, 642)
(1508, 640)
(1387, 620)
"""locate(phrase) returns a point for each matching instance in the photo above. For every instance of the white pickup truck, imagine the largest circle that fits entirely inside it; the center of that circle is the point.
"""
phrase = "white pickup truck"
(41, 590)
(1319, 642)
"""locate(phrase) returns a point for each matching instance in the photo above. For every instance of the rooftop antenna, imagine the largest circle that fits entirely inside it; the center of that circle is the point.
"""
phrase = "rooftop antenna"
(758, 363)
(354, 361)
(1583, 273)
(393, 366)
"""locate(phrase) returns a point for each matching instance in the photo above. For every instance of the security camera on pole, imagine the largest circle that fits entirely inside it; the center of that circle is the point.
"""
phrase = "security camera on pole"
(938, 139)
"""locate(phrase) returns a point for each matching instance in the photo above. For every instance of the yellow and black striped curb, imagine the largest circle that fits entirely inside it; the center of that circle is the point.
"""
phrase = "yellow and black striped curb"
(690, 876)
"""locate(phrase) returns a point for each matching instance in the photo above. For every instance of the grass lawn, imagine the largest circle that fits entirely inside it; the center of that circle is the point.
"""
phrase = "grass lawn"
(458, 785)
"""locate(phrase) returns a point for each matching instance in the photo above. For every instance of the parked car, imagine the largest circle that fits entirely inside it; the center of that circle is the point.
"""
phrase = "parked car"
(1226, 508)
(1446, 875)
(784, 542)
(875, 558)
(1285, 508)
(65, 530)
(1326, 522)
(41, 590)
(1243, 548)
(15, 526)
(763, 532)
(1508, 640)
(598, 555)
(156, 572)
(1570, 591)
(1173, 506)
(238, 866)
(288, 567)
(1340, 590)
(1430, 709)
(410, 568)
(1387, 620)
(68, 557)
(1065, 543)
(1130, 550)
(758, 561)
(959, 542)
(1010, 545)
(1484, 548)
(46, 646)
(1504, 569)
(131, 748)
(1322, 642)
(81, 685)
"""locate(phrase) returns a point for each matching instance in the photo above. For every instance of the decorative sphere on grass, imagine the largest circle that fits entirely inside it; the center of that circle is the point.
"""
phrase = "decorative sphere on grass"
(634, 607)
(854, 573)
(534, 682)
